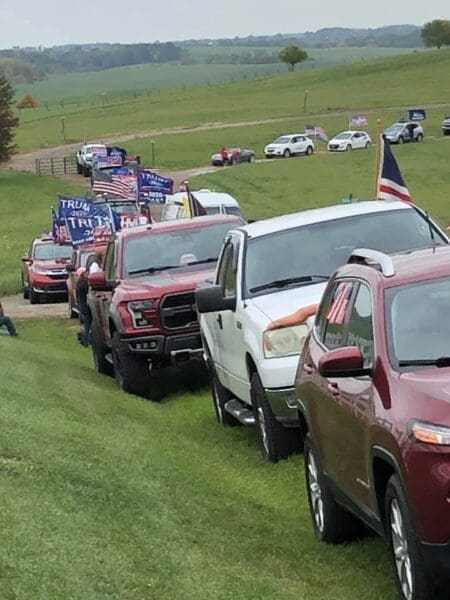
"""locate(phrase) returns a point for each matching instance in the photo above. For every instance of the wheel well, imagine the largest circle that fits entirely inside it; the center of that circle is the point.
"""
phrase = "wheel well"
(382, 472)
(251, 366)
(302, 424)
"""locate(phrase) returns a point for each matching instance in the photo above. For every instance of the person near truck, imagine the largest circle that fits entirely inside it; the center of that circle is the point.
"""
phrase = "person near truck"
(96, 265)
(6, 321)
(82, 290)
(296, 318)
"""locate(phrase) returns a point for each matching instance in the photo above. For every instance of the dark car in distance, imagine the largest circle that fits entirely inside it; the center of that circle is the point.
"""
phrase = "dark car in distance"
(373, 392)
(232, 156)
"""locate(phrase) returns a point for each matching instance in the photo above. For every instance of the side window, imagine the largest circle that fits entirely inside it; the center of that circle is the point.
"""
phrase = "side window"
(335, 315)
(110, 263)
(295, 140)
(226, 277)
(360, 329)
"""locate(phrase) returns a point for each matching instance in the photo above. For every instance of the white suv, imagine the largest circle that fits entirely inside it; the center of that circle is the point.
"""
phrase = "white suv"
(290, 145)
(267, 270)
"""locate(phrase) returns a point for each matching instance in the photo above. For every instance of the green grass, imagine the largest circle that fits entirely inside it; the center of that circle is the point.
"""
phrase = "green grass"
(25, 202)
(414, 79)
(105, 496)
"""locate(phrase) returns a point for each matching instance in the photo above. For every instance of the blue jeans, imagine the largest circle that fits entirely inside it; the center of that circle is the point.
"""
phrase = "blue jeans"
(86, 319)
(7, 322)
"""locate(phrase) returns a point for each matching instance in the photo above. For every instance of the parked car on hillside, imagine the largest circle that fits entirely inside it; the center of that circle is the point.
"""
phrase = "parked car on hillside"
(86, 157)
(349, 140)
(446, 126)
(400, 133)
(288, 145)
(213, 202)
(81, 257)
(232, 156)
(372, 390)
(44, 271)
(143, 305)
(270, 269)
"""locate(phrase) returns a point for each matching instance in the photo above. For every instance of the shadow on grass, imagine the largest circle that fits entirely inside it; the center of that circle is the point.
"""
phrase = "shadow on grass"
(191, 376)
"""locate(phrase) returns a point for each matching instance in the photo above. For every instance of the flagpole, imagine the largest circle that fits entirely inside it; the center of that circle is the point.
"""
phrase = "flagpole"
(377, 157)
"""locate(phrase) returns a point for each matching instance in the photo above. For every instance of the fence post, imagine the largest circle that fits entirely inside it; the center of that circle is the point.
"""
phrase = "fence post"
(65, 168)
(38, 167)
(51, 163)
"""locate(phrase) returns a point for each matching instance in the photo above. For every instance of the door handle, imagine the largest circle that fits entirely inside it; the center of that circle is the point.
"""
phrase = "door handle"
(219, 321)
(308, 369)
(333, 388)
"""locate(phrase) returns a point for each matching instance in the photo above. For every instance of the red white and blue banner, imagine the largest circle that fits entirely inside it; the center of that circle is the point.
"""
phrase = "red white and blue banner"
(358, 121)
(153, 188)
(317, 132)
(391, 185)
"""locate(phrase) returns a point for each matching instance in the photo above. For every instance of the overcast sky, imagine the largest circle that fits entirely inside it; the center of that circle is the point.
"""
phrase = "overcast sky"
(49, 22)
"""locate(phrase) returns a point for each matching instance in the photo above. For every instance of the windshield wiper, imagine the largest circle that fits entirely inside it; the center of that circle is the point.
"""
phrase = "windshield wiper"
(201, 262)
(153, 269)
(281, 283)
(442, 361)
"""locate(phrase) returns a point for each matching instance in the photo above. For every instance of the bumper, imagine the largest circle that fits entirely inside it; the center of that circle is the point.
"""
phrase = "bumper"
(282, 403)
(160, 348)
(49, 289)
(437, 561)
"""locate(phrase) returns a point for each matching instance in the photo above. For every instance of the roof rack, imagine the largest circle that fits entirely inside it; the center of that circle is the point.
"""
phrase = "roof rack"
(384, 261)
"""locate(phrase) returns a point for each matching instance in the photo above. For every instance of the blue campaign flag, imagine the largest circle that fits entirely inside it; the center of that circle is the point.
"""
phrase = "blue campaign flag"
(153, 188)
(70, 206)
(417, 114)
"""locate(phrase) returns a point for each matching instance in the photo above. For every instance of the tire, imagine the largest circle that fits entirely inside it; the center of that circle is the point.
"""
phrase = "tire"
(349, 148)
(367, 145)
(79, 169)
(419, 138)
(252, 158)
(220, 397)
(332, 523)
(25, 290)
(309, 151)
(86, 171)
(99, 352)
(276, 442)
(131, 372)
(400, 532)
(234, 161)
(33, 296)
(401, 140)
(287, 153)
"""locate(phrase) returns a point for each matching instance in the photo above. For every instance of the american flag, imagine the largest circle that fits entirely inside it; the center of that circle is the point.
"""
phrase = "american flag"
(114, 185)
(391, 185)
(338, 307)
(316, 131)
(358, 120)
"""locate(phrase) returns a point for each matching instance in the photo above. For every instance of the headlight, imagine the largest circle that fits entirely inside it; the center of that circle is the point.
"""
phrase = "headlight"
(141, 305)
(430, 434)
(139, 312)
(284, 342)
(40, 271)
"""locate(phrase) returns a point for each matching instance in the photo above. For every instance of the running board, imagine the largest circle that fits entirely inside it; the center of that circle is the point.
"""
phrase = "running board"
(240, 412)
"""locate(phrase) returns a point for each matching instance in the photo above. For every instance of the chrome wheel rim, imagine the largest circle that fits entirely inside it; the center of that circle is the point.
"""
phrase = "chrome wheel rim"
(401, 551)
(262, 429)
(216, 401)
(315, 492)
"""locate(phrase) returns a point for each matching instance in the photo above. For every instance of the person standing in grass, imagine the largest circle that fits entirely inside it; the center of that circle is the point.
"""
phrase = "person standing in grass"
(7, 322)
(82, 293)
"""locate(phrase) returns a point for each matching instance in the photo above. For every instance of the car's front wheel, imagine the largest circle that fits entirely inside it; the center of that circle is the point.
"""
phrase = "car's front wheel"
(287, 153)
(367, 145)
(332, 523)
(25, 290)
(132, 373)
(251, 158)
(349, 148)
(309, 150)
(401, 140)
(99, 352)
(413, 580)
(419, 138)
(276, 442)
(220, 397)
(33, 296)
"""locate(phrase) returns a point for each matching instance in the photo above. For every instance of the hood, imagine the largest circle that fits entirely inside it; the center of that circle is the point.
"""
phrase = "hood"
(336, 141)
(216, 156)
(428, 394)
(280, 304)
(51, 265)
(177, 280)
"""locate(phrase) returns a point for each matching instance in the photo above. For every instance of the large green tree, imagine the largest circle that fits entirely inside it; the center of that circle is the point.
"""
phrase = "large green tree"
(436, 33)
(8, 120)
(292, 55)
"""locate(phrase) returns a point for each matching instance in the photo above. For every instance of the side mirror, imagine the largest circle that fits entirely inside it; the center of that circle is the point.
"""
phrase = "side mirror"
(343, 362)
(99, 283)
(210, 299)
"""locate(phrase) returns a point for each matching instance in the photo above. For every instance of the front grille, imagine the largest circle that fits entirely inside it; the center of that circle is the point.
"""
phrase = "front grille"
(178, 311)
(58, 276)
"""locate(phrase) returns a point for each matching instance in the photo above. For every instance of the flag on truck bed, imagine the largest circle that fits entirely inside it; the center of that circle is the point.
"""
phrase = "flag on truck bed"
(391, 185)
(113, 185)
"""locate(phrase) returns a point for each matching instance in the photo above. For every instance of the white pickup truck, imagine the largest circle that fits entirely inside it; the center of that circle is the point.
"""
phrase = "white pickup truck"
(269, 269)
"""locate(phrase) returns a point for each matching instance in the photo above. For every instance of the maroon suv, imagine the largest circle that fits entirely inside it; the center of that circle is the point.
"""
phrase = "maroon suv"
(373, 390)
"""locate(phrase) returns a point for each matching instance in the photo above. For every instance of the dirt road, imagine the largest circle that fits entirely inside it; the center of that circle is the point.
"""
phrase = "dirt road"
(18, 308)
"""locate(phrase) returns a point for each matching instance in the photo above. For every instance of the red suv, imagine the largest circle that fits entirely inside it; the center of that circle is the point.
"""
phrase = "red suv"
(373, 391)
(143, 305)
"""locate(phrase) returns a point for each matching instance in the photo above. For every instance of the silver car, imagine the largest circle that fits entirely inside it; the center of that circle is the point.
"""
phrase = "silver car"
(402, 132)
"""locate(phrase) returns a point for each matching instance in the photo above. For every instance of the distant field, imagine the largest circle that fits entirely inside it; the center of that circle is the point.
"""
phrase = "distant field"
(413, 79)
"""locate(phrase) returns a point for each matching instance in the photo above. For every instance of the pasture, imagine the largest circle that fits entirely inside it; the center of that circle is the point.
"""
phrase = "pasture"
(370, 84)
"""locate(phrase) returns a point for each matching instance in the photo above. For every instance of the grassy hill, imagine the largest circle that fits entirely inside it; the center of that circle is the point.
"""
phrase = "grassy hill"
(413, 79)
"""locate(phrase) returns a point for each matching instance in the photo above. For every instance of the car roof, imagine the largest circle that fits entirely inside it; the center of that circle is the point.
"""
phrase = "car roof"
(179, 224)
(318, 215)
(206, 198)
(410, 266)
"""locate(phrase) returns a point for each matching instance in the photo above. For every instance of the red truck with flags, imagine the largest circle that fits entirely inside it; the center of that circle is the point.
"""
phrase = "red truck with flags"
(142, 304)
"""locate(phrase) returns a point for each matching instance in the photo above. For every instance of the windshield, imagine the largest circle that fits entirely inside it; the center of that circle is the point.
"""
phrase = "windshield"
(396, 127)
(122, 207)
(343, 136)
(51, 252)
(418, 321)
(320, 248)
(284, 139)
(173, 249)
